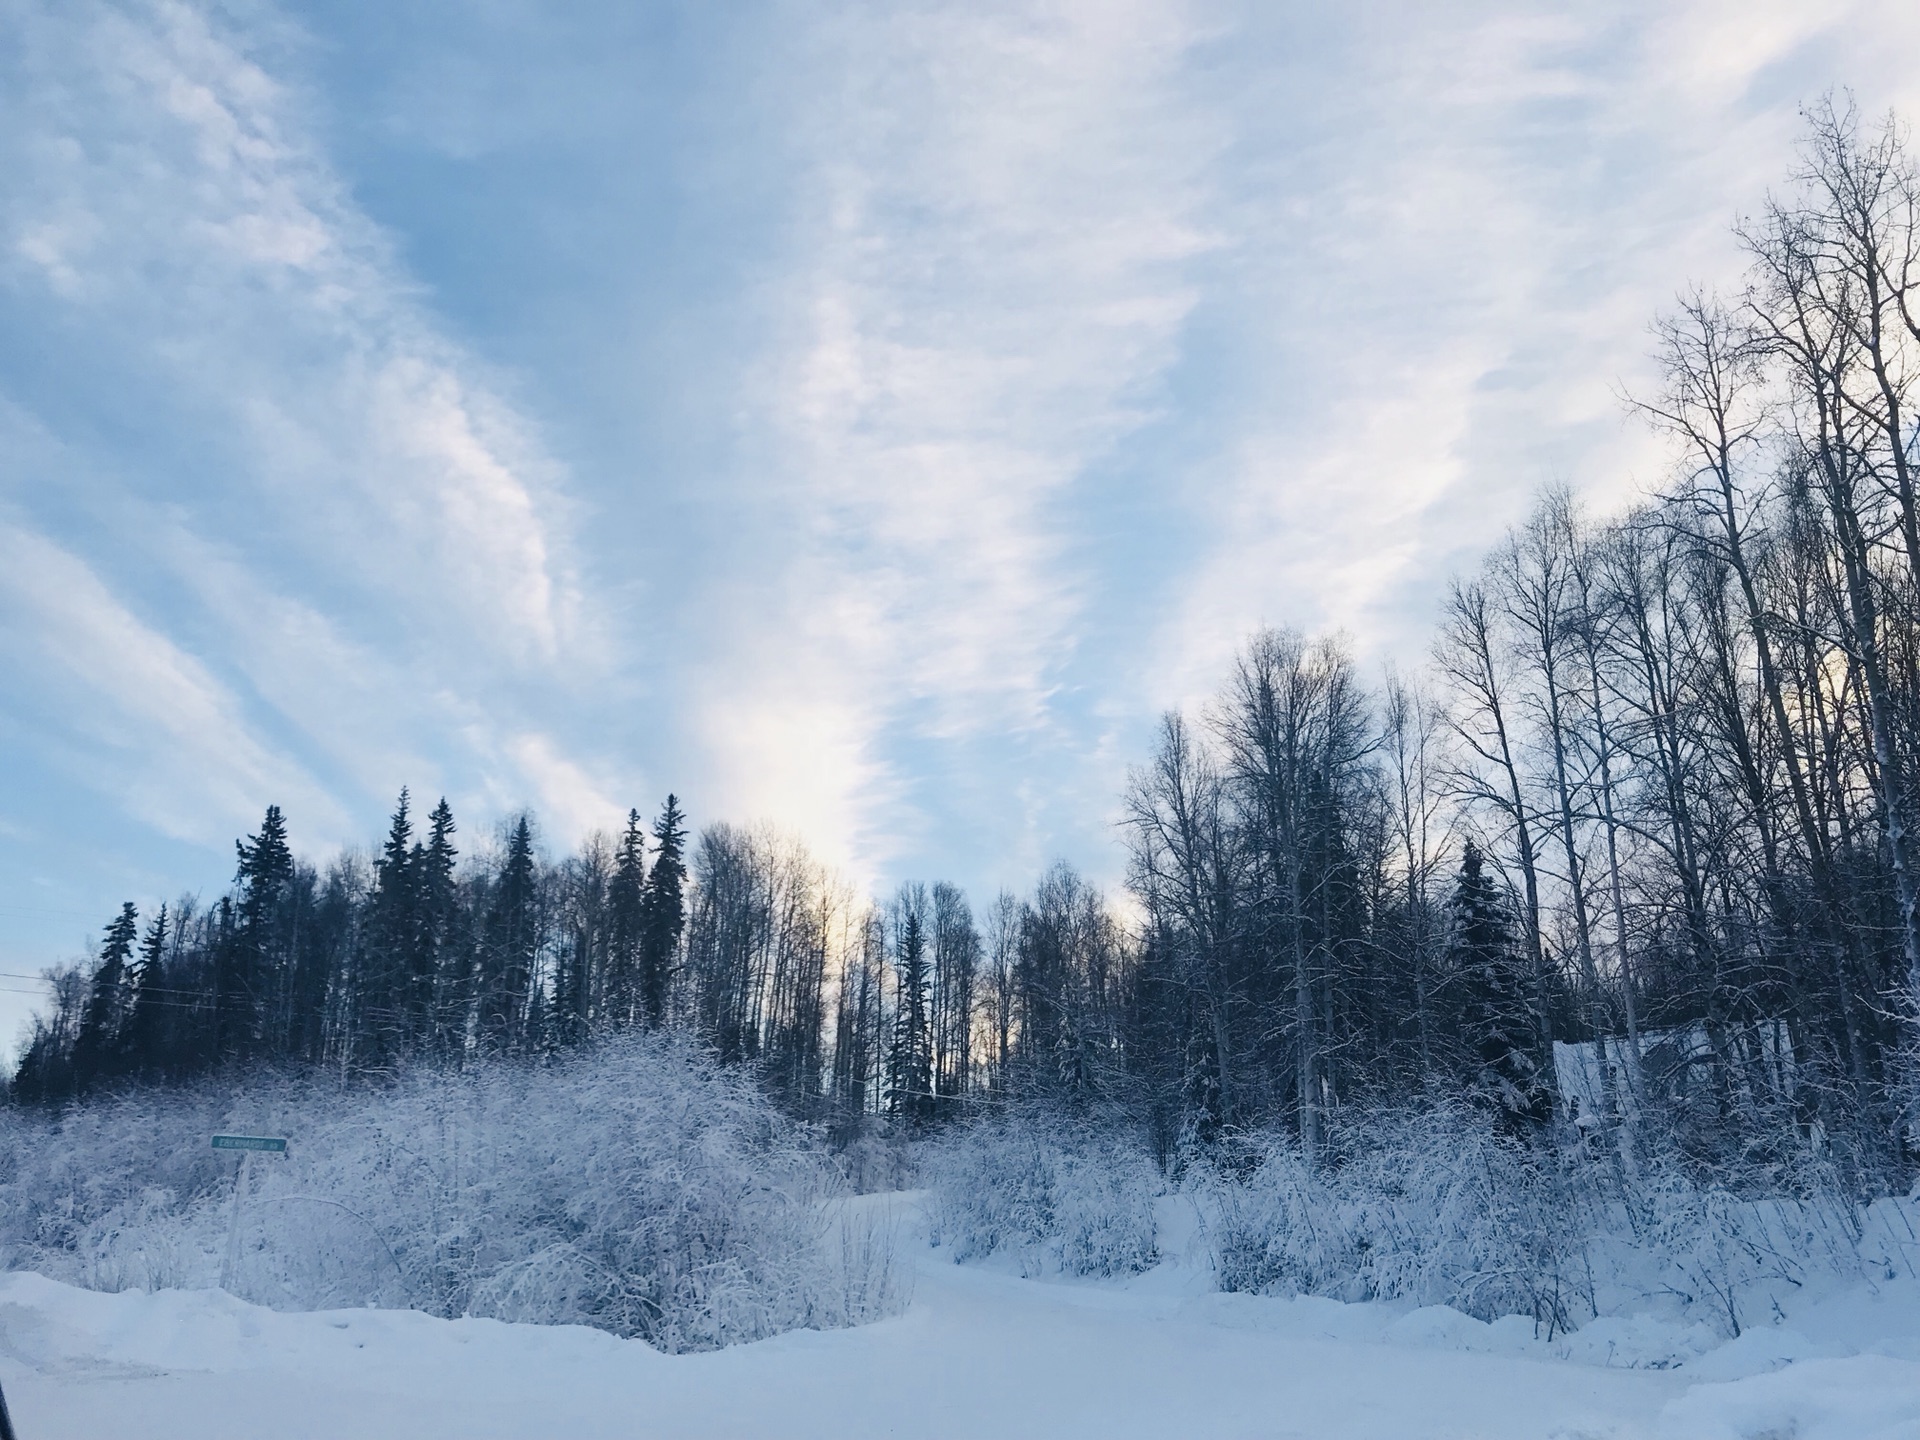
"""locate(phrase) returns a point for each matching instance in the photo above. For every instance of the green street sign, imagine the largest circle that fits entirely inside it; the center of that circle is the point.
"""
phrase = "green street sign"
(250, 1142)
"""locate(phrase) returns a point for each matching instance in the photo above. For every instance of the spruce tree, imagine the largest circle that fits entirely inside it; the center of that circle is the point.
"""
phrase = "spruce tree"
(146, 1030)
(511, 941)
(97, 1046)
(433, 951)
(256, 961)
(911, 1068)
(663, 911)
(266, 866)
(391, 937)
(1507, 1068)
(626, 900)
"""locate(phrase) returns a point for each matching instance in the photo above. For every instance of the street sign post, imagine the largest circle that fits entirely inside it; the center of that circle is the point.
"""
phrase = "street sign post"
(248, 1146)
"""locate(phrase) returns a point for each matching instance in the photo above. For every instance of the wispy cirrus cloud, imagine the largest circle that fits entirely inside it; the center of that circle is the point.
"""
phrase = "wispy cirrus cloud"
(163, 184)
(1480, 213)
(138, 713)
(990, 280)
(860, 417)
(283, 445)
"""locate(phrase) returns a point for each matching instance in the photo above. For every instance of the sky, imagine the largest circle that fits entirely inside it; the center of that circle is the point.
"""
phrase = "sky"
(862, 418)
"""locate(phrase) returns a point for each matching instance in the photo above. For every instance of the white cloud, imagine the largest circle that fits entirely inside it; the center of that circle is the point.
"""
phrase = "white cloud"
(568, 799)
(375, 536)
(1321, 293)
(1483, 211)
(217, 235)
(992, 281)
(142, 715)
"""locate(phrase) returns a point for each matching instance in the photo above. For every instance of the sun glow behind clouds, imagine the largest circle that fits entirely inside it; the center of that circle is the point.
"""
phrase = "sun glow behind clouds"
(989, 281)
(864, 418)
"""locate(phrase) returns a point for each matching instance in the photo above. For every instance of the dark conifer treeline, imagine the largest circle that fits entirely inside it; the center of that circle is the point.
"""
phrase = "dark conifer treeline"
(1657, 805)
(414, 958)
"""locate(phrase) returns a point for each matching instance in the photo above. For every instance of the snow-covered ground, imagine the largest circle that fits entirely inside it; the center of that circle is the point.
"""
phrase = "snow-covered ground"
(980, 1352)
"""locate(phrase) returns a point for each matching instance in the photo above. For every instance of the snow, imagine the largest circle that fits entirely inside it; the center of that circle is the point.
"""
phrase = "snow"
(637, 1187)
(980, 1351)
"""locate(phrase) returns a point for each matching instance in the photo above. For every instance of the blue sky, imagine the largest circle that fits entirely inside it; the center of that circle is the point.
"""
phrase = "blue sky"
(865, 418)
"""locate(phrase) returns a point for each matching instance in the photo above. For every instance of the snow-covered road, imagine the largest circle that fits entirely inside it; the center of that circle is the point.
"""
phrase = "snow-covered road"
(978, 1354)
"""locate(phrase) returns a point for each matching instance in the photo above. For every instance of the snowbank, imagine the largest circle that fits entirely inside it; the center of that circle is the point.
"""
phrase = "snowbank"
(977, 1353)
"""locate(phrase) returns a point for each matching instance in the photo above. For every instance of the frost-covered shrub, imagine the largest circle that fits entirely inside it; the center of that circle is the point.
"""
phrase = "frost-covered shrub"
(1438, 1208)
(1429, 1207)
(1103, 1210)
(1718, 1249)
(1277, 1232)
(990, 1188)
(636, 1187)
(1033, 1189)
(1446, 1211)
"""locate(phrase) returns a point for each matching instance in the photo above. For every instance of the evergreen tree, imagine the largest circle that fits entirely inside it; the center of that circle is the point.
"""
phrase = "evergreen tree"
(911, 1067)
(266, 866)
(96, 1049)
(391, 941)
(146, 1031)
(626, 903)
(256, 965)
(1504, 1051)
(663, 911)
(434, 951)
(511, 942)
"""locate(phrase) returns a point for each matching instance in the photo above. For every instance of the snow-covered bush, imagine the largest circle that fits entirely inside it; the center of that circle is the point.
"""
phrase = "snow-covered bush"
(1104, 1210)
(636, 1187)
(1446, 1207)
(1276, 1232)
(1436, 1207)
(990, 1188)
(1033, 1188)
(1431, 1207)
(1716, 1249)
